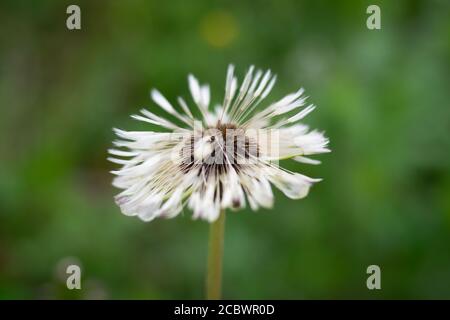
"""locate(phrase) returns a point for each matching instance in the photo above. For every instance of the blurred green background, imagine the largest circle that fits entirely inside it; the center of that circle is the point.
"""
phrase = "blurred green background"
(382, 97)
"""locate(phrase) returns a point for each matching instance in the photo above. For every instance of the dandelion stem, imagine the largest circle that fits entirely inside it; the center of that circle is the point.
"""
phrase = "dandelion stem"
(215, 253)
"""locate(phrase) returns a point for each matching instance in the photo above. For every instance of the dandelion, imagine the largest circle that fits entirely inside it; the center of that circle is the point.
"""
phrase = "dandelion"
(225, 158)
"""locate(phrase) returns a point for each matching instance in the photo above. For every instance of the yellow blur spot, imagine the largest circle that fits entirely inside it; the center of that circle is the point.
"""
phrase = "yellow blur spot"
(219, 29)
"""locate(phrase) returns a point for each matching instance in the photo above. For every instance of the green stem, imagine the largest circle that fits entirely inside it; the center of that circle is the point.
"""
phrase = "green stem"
(215, 253)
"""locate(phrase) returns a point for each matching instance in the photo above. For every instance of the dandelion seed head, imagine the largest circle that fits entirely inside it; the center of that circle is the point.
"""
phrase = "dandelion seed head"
(226, 159)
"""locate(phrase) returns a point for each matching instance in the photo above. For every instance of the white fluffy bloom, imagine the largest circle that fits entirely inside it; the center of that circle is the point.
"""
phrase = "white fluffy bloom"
(224, 160)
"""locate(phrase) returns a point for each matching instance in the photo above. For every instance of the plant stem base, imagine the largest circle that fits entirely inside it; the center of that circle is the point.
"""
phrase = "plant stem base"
(215, 254)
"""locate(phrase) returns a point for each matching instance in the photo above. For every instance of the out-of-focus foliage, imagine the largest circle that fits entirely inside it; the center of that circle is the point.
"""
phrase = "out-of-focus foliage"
(382, 97)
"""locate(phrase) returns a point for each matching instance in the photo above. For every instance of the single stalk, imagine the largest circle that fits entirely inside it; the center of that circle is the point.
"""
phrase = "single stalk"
(215, 253)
